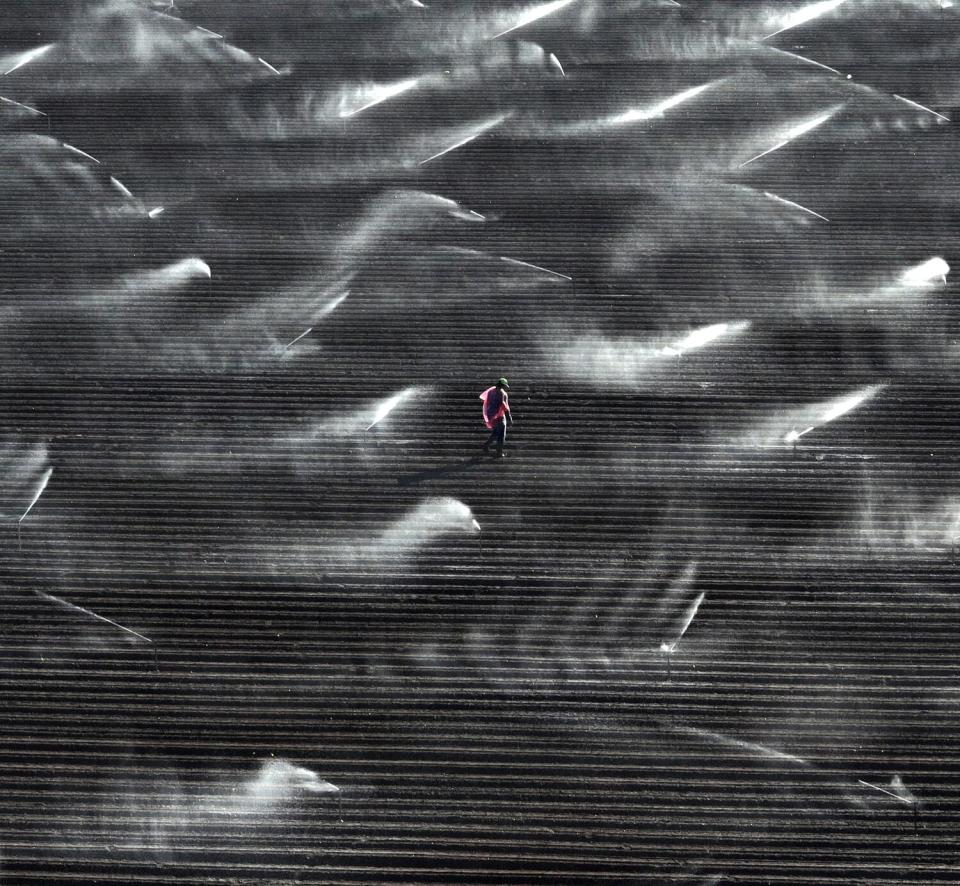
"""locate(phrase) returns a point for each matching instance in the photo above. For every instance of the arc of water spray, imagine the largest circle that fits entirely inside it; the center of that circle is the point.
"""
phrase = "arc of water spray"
(269, 67)
(72, 607)
(659, 108)
(382, 94)
(76, 150)
(777, 198)
(484, 128)
(303, 334)
(806, 14)
(920, 107)
(534, 15)
(10, 101)
(809, 61)
(41, 486)
(691, 613)
(796, 132)
(889, 793)
(385, 407)
(121, 187)
(24, 58)
(526, 264)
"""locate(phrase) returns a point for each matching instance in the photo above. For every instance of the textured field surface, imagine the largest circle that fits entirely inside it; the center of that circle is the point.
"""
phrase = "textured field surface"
(269, 614)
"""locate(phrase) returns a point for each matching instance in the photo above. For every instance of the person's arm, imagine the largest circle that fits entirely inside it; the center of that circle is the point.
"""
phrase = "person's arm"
(506, 406)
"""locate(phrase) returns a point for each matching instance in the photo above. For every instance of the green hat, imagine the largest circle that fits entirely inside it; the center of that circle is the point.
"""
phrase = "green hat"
(502, 382)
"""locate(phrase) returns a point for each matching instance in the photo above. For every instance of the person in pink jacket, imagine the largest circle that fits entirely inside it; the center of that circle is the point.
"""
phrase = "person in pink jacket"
(496, 415)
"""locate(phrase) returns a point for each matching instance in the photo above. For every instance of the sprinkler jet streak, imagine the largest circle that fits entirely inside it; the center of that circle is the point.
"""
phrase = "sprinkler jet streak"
(703, 336)
(169, 277)
(330, 307)
(805, 14)
(121, 187)
(535, 14)
(303, 334)
(525, 264)
(41, 486)
(924, 274)
(483, 128)
(786, 202)
(897, 789)
(669, 646)
(385, 407)
(269, 67)
(794, 133)
(920, 107)
(24, 58)
(816, 416)
(63, 604)
(10, 101)
(77, 151)
(809, 61)
(660, 108)
(381, 94)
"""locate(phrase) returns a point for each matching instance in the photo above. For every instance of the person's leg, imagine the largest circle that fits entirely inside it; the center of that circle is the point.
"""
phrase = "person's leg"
(490, 439)
(501, 436)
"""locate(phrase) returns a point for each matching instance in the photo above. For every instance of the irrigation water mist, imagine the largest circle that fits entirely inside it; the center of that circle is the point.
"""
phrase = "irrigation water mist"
(787, 429)
(635, 363)
(173, 276)
(795, 18)
(121, 47)
(784, 137)
(23, 466)
(151, 808)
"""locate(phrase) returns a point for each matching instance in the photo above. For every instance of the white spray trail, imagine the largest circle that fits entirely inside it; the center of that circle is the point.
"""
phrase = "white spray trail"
(920, 107)
(431, 518)
(689, 616)
(703, 336)
(777, 199)
(10, 101)
(385, 407)
(474, 133)
(790, 427)
(525, 264)
(79, 153)
(925, 274)
(171, 276)
(661, 107)
(41, 486)
(802, 16)
(896, 789)
(12, 63)
(631, 362)
(795, 132)
(535, 14)
(71, 607)
(328, 308)
(379, 94)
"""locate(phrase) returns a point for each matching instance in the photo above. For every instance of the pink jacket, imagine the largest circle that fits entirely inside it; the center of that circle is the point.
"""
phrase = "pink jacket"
(492, 412)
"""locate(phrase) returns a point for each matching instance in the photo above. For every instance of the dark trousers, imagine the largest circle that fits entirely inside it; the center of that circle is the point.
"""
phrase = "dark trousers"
(498, 435)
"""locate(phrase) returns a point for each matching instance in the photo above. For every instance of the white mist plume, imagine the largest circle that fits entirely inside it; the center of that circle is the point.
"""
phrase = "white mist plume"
(173, 276)
(636, 363)
(791, 426)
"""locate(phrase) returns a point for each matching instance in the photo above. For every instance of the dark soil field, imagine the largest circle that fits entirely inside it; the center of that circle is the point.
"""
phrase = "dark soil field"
(271, 616)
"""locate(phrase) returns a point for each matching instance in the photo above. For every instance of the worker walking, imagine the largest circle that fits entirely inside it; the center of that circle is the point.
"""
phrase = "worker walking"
(496, 415)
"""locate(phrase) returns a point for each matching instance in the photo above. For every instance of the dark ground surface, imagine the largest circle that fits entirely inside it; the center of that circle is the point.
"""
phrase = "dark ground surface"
(495, 707)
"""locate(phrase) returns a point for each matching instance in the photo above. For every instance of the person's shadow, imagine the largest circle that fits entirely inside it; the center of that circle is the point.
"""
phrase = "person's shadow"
(442, 472)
